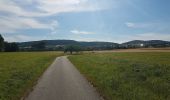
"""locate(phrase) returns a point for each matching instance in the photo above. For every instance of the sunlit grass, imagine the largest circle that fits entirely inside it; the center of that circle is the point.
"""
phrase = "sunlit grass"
(127, 76)
(20, 71)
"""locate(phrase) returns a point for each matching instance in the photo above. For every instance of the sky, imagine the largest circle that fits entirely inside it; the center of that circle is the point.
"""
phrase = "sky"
(85, 20)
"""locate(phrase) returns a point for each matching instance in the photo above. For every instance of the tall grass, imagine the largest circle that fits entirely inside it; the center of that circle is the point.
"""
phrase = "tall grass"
(19, 71)
(127, 76)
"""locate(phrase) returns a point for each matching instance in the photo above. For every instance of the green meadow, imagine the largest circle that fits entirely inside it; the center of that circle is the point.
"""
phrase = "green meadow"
(19, 72)
(127, 76)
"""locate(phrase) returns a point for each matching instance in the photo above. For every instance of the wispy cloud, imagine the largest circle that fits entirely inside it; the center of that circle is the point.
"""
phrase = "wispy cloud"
(46, 7)
(130, 24)
(10, 7)
(22, 37)
(18, 38)
(143, 36)
(153, 36)
(54, 27)
(140, 25)
(81, 32)
(63, 6)
(16, 15)
(12, 24)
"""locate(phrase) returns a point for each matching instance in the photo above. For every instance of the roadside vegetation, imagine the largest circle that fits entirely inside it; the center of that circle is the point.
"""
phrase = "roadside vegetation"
(20, 70)
(127, 76)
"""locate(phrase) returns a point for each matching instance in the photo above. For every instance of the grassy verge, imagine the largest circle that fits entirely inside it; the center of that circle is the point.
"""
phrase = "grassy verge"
(127, 76)
(19, 71)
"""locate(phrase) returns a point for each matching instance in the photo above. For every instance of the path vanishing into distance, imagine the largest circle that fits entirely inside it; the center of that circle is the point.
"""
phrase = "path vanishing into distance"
(62, 81)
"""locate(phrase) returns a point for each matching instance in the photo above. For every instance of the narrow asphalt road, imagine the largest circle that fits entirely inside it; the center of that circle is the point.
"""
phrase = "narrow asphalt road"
(62, 81)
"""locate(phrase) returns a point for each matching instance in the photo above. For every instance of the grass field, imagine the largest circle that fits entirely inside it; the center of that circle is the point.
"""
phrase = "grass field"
(127, 76)
(19, 72)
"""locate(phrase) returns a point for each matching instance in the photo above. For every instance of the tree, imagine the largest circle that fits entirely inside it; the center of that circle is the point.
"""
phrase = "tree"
(38, 45)
(11, 47)
(1, 43)
(72, 48)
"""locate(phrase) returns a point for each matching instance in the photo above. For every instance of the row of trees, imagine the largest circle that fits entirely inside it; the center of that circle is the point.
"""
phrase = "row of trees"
(41, 46)
(1, 43)
(37, 46)
(7, 47)
(72, 48)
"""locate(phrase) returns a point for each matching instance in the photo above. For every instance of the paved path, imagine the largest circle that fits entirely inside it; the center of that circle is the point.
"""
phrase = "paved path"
(62, 81)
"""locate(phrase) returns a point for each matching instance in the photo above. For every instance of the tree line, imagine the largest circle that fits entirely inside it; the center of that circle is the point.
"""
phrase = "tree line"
(7, 47)
(36, 46)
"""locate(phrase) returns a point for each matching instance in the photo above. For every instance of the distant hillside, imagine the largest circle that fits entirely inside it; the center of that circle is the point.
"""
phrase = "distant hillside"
(97, 44)
(49, 42)
(60, 44)
(149, 43)
(67, 42)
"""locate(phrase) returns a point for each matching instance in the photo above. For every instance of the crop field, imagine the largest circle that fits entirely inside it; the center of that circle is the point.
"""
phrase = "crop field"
(127, 75)
(19, 71)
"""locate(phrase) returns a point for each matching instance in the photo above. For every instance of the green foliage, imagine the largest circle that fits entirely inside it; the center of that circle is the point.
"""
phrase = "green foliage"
(1, 43)
(72, 48)
(127, 76)
(19, 71)
(40, 45)
(11, 47)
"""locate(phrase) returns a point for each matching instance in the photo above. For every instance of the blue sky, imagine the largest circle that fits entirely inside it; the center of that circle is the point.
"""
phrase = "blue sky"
(85, 20)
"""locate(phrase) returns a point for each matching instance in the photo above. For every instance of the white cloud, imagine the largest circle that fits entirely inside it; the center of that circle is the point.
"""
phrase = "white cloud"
(142, 36)
(22, 37)
(130, 24)
(47, 7)
(81, 32)
(153, 36)
(54, 27)
(15, 16)
(141, 25)
(18, 38)
(12, 24)
(61, 6)
(11, 7)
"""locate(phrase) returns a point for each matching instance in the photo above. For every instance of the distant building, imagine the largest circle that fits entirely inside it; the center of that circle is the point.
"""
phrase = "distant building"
(141, 45)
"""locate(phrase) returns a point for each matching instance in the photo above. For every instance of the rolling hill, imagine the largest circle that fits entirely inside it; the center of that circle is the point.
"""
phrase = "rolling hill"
(60, 44)
(149, 43)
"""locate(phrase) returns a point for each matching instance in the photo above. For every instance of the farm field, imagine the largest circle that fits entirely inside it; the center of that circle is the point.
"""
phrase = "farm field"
(136, 50)
(19, 72)
(127, 75)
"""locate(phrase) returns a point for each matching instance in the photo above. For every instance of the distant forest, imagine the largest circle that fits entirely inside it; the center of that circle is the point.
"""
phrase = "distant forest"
(72, 45)
(8, 47)
(61, 45)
